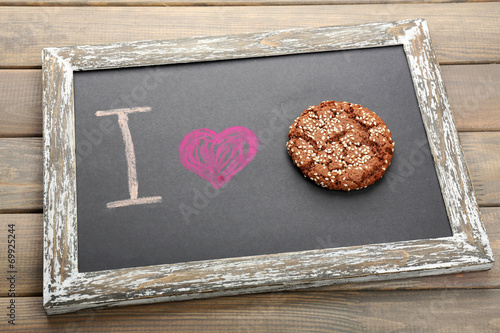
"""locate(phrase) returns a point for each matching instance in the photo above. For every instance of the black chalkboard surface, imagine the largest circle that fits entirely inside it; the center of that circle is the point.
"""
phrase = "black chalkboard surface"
(266, 207)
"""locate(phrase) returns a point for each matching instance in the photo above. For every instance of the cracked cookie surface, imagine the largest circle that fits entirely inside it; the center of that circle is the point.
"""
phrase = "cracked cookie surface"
(340, 146)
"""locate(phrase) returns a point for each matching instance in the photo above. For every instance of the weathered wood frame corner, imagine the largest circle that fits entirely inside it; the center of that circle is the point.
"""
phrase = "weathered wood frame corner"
(66, 289)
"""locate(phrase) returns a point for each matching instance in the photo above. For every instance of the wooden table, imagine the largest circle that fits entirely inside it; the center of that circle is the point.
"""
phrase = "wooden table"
(466, 38)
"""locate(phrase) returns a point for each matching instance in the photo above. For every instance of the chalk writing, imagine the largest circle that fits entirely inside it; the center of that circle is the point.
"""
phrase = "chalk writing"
(217, 157)
(133, 185)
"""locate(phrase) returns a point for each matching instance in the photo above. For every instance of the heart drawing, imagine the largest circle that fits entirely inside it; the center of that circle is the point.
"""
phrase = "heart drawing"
(217, 157)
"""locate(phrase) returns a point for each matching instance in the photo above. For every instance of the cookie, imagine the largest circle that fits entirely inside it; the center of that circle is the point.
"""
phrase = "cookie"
(340, 146)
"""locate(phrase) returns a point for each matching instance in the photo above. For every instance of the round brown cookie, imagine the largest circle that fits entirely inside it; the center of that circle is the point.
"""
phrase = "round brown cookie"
(341, 146)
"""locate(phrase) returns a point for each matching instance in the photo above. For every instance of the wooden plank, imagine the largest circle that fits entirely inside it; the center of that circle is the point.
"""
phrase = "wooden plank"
(20, 102)
(455, 27)
(28, 242)
(476, 310)
(20, 174)
(473, 90)
(21, 170)
(205, 2)
(482, 153)
(474, 93)
(29, 233)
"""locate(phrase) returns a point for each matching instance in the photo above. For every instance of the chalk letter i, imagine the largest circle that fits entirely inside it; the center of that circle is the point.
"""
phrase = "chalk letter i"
(133, 185)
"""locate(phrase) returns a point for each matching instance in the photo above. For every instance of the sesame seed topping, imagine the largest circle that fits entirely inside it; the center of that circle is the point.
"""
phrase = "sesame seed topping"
(327, 141)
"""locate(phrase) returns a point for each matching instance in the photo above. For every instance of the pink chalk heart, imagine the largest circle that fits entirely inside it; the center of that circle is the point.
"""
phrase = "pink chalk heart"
(217, 157)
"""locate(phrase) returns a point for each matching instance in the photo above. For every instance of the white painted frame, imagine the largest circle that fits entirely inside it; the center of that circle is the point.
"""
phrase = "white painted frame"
(66, 289)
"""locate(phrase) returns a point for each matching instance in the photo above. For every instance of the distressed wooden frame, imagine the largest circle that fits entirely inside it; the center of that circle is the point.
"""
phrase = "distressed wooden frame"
(66, 289)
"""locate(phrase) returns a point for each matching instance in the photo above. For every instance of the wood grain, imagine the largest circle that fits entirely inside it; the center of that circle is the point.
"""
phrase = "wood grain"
(21, 170)
(356, 311)
(20, 103)
(455, 27)
(20, 174)
(473, 90)
(483, 158)
(28, 254)
(474, 93)
(206, 2)
(29, 231)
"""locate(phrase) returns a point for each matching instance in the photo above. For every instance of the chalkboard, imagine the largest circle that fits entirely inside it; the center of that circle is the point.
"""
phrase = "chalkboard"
(135, 134)
(266, 207)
